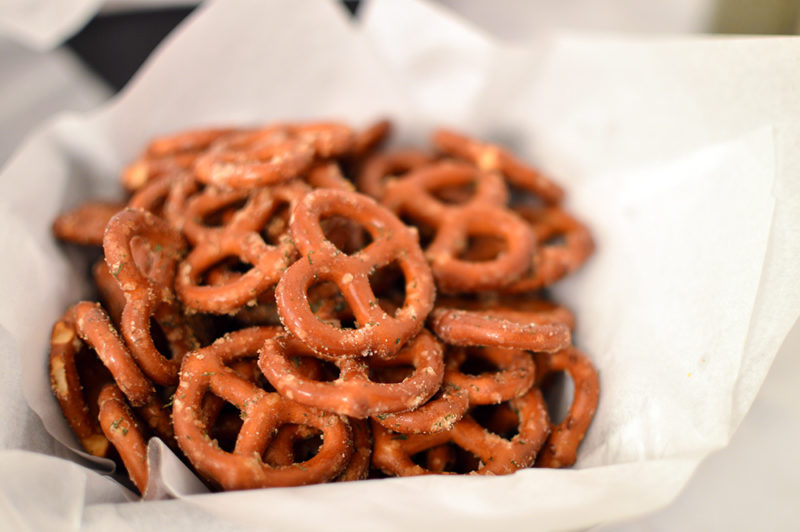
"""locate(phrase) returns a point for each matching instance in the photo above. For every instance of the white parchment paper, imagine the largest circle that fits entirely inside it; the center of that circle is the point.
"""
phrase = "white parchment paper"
(677, 152)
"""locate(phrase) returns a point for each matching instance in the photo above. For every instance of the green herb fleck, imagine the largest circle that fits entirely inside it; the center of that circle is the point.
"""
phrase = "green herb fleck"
(208, 373)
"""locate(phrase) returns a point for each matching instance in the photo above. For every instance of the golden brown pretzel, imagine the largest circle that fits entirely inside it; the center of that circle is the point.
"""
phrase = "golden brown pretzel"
(148, 289)
(392, 452)
(491, 157)
(240, 238)
(513, 378)
(125, 433)
(86, 224)
(565, 438)
(87, 322)
(271, 155)
(206, 370)
(354, 393)
(483, 214)
(380, 167)
(377, 332)
(440, 413)
(471, 327)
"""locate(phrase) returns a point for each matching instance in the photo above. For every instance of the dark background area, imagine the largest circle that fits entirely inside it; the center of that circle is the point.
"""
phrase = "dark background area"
(115, 45)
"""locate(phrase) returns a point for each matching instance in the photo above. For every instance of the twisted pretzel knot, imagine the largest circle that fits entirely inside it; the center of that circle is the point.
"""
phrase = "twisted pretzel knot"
(490, 157)
(240, 238)
(354, 393)
(377, 332)
(206, 370)
(271, 155)
(393, 453)
(483, 214)
(562, 445)
(148, 289)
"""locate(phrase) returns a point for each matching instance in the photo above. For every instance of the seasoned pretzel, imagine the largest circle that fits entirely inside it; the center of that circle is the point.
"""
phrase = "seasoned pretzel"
(125, 433)
(481, 215)
(240, 238)
(148, 289)
(87, 322)
(166, 196)
(271, 155)
(378, 168)
(368, 140)
(443, 410)
(468, 327)
(491, 157)
(354, 393)
(112, 297)
(552, 262)
(206, 370)
(377, 332)
(169, 155)
(392, 453)
(513, 378)
(86, 224)
(526, 309)
(561, 448)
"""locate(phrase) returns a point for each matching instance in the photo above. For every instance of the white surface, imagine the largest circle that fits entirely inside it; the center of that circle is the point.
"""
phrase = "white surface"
(575, 130)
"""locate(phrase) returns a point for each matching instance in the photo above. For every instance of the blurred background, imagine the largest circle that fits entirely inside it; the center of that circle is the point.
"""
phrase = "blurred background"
(73, 55)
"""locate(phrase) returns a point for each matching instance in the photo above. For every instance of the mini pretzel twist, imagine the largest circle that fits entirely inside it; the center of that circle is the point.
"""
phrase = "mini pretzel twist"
(493, 158)
(483, 214)
(240, 238)
(125, 433)
(514, 377)
(206, 370)
(469, 327)
(392, 453)
(271, 155)
(562, 445)
(169, 155)
(354, 393)
(377, 332)
(148, 291)
(86, 224)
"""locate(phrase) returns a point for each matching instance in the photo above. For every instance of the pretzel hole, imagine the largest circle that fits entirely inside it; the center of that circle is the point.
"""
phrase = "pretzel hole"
(225, 271)
(483, 248)
(160, 340)
(92, 375)
(521, 197)
(223, 214)
(500, 419)
(330, 306)
(305, 448)
(455, 194)
(390, 374)
(388, 284)
(346, 234)
(277, 224)
(558, 391)
(476, 363)
(557, 240)
(460, 461)
(426, 232)
(226, 427)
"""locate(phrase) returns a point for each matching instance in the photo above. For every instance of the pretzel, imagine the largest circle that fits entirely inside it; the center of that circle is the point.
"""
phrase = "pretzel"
(270, 155)
(148, 292)
(86, 224)
(392, 452)
(552, 262)
(124, 432)
(354, 393)
(467, 327)
(205, 370)
(110, 294)
(525, 309)
(513, 378)
(169, 155)
(481, 215)
(369, 139)
(378, 168)
(562, 445)
(240, 238)
(439, 414)
(377, 332)
(491, 157)
(166, 196)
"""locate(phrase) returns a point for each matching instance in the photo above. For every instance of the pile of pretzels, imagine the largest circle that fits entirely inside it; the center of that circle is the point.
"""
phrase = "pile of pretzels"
(295, 304)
